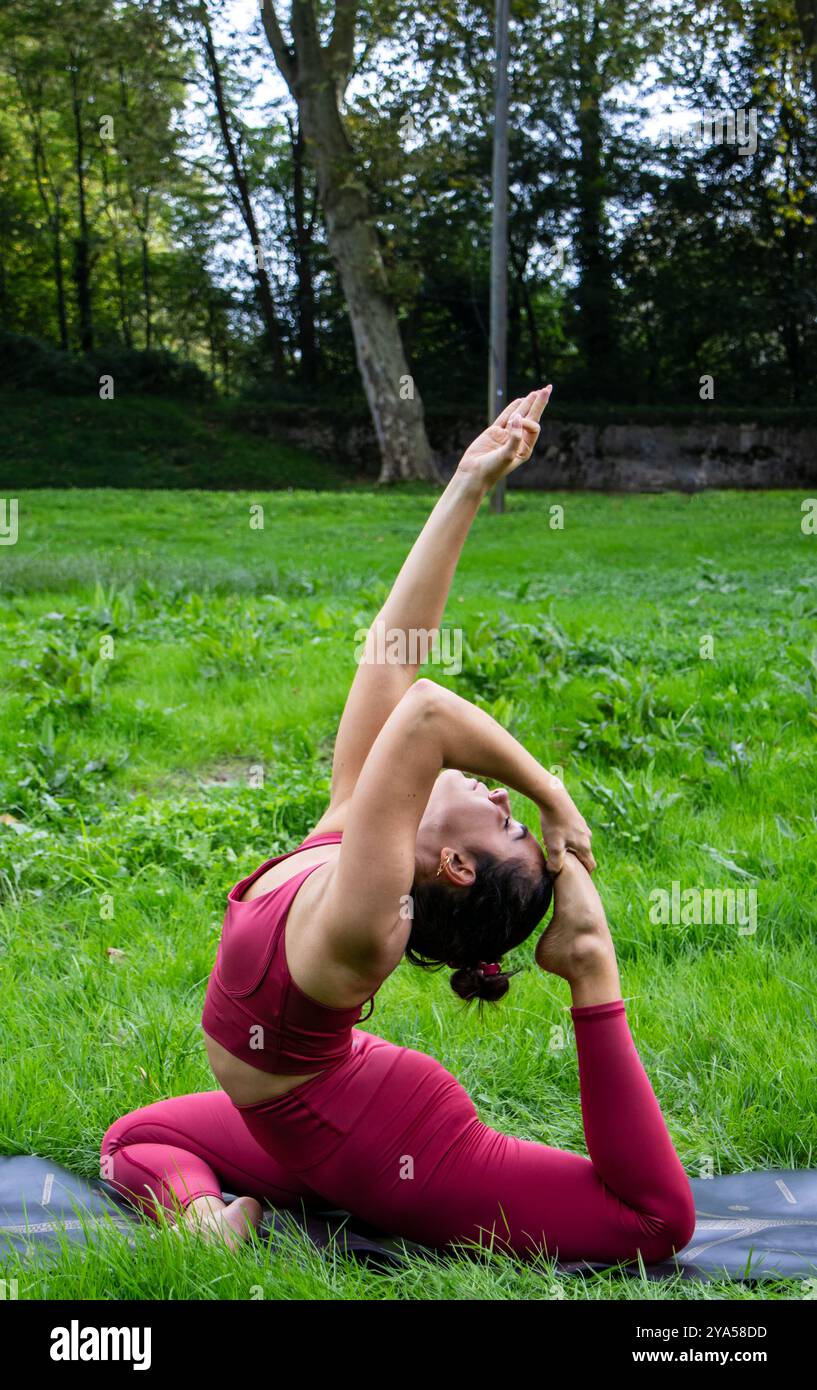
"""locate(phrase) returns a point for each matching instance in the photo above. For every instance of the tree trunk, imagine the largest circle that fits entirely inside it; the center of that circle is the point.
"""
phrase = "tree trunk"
(316, 75)
(122, 298)
(82, 250)
(50, 192)
(595, 323)
(263, 289)
(59, 279)
(147, 288)
(520, 263)
(119, 264)
(807, 18)
(211, 337)
(302, 237)
(54, 220)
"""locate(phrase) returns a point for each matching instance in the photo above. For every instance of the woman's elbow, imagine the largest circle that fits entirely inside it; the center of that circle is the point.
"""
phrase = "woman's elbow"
(427, 697)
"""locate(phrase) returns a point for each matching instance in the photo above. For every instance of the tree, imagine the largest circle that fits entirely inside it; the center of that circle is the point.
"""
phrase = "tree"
(31, 76)
(317, 75)
(243, 195)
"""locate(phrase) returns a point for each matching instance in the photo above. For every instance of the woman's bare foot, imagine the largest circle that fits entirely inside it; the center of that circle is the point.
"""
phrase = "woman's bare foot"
(215, 1220)
(577, 944)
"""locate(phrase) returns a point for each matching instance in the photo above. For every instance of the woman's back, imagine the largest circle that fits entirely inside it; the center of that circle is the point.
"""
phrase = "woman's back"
(267, 1031)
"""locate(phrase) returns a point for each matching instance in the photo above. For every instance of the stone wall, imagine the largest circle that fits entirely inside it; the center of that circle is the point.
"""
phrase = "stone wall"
(641, 458)
(612, 457)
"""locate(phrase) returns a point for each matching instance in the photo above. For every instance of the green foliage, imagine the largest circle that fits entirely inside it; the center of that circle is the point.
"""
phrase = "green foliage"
(632, 810)
(632, 721)
(64, 676)
(26, 363)
(143, 441)
(635, 265)
(47, 784)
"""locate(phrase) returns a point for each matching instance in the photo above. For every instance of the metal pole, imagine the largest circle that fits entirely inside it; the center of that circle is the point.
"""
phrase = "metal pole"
(497, 367)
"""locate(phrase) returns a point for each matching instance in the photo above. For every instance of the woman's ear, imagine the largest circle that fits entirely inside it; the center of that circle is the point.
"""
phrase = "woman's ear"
(459, 869)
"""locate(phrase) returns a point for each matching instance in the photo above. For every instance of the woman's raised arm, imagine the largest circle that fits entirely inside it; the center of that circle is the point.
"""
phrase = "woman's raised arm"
(412, 613)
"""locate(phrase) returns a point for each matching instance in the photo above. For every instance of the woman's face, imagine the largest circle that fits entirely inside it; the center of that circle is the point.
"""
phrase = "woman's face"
(463, 818)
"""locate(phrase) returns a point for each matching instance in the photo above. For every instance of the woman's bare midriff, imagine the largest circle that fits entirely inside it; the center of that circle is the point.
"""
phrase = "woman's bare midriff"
(246, 1085)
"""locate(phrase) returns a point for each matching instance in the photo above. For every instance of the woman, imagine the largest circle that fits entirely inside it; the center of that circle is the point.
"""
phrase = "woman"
(413, 858)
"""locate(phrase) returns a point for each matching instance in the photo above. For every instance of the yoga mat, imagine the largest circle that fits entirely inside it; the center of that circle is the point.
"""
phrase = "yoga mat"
(750, 1226)
(43, 1205)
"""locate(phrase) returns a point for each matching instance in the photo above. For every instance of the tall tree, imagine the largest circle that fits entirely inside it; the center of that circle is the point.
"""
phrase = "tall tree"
(301, 219)
(317, 74)
(49, 175)
(242, 194)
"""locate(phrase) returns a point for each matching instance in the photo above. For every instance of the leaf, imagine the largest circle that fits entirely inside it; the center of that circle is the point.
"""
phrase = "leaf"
(725, 862)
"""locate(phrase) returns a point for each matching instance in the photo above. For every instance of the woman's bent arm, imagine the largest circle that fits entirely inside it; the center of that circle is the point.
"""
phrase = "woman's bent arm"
(430, 729)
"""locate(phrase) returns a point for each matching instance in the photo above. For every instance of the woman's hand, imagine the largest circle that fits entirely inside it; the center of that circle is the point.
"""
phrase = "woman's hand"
(508, 442)
(564, 828)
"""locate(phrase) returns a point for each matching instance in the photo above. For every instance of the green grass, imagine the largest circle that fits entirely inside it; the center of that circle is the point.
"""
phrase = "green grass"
(143, 442)
(233, 647)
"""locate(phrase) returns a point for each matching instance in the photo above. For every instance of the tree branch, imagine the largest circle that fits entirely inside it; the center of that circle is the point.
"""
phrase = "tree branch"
(341, 48)
(283, 54)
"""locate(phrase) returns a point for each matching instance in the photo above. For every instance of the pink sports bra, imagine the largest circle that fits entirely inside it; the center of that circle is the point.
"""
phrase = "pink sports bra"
(253, 1006)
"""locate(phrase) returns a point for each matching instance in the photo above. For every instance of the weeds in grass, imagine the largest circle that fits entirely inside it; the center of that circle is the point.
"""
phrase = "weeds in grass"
(634, 810)
(66, 677)
(47, 783)
(633, 721)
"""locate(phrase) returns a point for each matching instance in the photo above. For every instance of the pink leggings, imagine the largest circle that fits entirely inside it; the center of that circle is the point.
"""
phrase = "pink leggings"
(389, 1135)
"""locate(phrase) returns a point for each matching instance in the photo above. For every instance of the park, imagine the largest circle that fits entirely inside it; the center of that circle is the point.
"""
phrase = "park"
(223, 516)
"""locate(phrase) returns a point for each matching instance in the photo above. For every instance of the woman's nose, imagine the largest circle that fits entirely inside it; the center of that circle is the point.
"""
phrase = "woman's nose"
(501, 796)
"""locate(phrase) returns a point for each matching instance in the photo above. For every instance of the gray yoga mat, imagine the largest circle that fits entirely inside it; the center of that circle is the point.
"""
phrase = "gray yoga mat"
(750, 1226)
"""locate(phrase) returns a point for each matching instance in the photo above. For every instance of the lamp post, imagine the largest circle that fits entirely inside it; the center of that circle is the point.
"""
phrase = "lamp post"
(498, 366)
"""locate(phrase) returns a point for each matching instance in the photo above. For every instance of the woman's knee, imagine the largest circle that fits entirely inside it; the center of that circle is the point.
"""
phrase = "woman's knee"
(677, 1222)
(683, 1217)
(116, 1135)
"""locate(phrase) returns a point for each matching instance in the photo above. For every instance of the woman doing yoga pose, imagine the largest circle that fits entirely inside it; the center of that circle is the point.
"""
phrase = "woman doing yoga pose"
(413, 858)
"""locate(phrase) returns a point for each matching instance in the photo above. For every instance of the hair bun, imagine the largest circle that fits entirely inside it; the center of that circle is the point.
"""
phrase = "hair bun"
(472, 982)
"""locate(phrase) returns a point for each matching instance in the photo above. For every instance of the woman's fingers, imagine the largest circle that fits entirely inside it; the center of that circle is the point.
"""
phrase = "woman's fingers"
(531, 434)
(580, 846)
(585, 856)
(504, 416)
(530, 406)
(539, 402)
(513, 443)
(556, 849)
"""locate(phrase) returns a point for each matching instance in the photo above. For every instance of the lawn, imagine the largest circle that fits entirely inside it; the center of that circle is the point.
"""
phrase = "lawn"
(172, 677)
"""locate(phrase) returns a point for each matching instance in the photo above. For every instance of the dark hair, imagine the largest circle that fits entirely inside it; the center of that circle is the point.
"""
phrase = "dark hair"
(467, 928)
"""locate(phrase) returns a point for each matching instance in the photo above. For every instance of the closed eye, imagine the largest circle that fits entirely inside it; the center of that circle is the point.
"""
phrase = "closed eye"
(523, 829)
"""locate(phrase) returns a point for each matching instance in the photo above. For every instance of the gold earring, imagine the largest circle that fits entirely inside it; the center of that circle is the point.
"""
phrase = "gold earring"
(444, 865)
